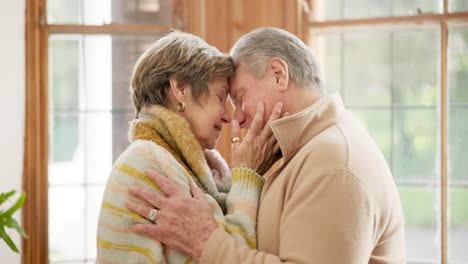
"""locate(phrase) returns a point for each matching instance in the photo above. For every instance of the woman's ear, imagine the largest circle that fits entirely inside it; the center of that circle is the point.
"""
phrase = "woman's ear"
(177, 90)
(279, 69)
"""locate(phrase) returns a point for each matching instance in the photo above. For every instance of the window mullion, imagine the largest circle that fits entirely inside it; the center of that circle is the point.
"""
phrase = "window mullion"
(443, 141)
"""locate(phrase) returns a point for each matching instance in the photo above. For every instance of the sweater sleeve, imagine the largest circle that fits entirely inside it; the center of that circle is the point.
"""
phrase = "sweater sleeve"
(327, 219)
(242, 206)
(116, 243)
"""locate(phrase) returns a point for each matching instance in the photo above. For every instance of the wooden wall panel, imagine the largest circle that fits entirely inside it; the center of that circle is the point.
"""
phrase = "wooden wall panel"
(222, 22)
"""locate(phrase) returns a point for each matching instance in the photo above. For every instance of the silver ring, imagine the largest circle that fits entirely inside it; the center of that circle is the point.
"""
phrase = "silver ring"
(152, 215)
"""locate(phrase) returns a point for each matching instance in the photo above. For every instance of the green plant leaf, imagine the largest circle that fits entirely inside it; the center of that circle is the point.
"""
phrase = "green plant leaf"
(12, 223)
(16, 206)
(5, 196)
(8, 240)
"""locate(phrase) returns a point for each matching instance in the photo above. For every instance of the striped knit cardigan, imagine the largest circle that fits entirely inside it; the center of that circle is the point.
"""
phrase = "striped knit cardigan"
(162, 140)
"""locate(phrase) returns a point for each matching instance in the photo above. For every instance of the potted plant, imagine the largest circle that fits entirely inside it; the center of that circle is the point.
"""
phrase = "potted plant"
(7, 220)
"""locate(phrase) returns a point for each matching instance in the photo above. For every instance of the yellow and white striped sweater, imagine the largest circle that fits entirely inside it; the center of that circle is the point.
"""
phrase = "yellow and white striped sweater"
(162, 140)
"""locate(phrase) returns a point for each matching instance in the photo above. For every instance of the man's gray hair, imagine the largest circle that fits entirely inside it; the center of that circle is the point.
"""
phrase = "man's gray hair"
(255, 49)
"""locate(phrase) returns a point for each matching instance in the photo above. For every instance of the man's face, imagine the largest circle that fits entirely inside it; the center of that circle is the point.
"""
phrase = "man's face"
(246, 92)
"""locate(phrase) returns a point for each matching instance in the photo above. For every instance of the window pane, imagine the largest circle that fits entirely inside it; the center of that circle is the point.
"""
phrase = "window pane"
(378, 124)
(98, 146)
(415, 67)
(91, 12)
(458, 229)
(66, 223)
(458, 66)
(366, 69)
(366, 8)
(97, 72)
(390, 82)
(415, 146)
(66, 151)
(120, 122)
(458, 5)
(328, 51)
(142, 11)
(64, 72)
(458, 144)
(354, 9)
(93, 202)
(63, 11)
(421, 221)
(125, 52)
(86, 138)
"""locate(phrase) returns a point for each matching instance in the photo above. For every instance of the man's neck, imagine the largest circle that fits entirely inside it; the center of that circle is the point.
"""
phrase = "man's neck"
(299, 99)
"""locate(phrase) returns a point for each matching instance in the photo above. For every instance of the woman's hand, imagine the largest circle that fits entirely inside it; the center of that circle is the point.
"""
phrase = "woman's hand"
(259, 150)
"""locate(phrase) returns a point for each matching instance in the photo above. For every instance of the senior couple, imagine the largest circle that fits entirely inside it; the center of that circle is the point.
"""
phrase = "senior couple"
(171, 198)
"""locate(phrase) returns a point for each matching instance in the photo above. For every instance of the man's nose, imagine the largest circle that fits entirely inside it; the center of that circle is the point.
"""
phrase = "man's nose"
(240, 117)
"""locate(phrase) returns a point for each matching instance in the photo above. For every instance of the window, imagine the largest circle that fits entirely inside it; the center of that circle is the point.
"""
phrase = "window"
(92, 47)
(401, 68)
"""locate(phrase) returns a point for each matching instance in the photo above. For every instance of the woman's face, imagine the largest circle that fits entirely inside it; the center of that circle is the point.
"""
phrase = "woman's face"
(207, 117)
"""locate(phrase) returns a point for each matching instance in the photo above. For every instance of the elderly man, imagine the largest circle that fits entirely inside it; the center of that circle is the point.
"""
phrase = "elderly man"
(333, 198)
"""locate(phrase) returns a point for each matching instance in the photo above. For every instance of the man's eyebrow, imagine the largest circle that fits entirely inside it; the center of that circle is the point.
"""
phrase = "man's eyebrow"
(234, 97)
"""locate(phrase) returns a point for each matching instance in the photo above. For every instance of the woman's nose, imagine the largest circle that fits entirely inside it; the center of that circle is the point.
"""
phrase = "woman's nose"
(226, 118)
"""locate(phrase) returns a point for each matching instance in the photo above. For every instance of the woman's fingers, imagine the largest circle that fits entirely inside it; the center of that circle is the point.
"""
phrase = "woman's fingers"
(257, 122)
(276, 148)
(235, 129)
(275, 115)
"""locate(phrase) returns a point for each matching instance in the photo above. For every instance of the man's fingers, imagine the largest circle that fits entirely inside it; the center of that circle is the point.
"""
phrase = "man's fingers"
(257, 123)
(167, 186)
(149, 230)
(197, 193)
(138, 208)
(150, 196)
(163, 235)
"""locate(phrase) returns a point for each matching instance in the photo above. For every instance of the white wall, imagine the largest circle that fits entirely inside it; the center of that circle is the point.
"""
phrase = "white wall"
(12, 101)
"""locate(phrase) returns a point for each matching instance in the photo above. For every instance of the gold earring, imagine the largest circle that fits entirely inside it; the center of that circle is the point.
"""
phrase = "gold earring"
(180, 106)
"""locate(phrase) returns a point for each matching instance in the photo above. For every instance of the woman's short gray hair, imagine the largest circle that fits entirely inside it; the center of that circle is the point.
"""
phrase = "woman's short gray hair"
(178, 55)
(256, 48)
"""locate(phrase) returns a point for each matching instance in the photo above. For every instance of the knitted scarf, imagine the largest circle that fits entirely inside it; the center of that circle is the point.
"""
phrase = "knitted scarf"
(172, 132)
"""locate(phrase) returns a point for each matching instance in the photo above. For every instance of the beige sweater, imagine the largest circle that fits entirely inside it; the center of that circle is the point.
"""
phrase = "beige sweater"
(332, 200)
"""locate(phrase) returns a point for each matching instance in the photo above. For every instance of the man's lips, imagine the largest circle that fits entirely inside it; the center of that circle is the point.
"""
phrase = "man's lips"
(218, 127)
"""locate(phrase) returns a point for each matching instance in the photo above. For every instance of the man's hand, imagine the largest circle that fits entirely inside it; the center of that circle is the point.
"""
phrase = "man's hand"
(183, 223)
(259, 150)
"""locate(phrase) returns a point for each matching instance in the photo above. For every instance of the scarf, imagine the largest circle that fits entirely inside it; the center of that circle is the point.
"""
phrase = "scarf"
(172, 132)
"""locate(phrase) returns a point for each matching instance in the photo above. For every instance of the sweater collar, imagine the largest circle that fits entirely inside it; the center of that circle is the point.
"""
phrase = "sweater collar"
(294, 131)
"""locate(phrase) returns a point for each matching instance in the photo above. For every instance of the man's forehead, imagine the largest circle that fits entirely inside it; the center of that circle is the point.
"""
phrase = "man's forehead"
(235, 81)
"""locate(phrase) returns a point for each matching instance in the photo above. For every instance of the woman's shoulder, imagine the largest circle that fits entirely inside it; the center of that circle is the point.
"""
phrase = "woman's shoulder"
(144, 154)
(147, 150)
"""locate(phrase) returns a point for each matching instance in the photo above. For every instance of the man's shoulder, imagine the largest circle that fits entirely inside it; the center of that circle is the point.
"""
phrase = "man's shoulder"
(329, 148)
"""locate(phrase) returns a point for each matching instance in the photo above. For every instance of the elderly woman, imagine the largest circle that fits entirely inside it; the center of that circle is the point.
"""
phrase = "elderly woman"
(179, 91)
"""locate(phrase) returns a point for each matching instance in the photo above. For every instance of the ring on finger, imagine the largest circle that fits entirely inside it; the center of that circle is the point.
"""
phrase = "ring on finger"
(152, 215)
(236, 140)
